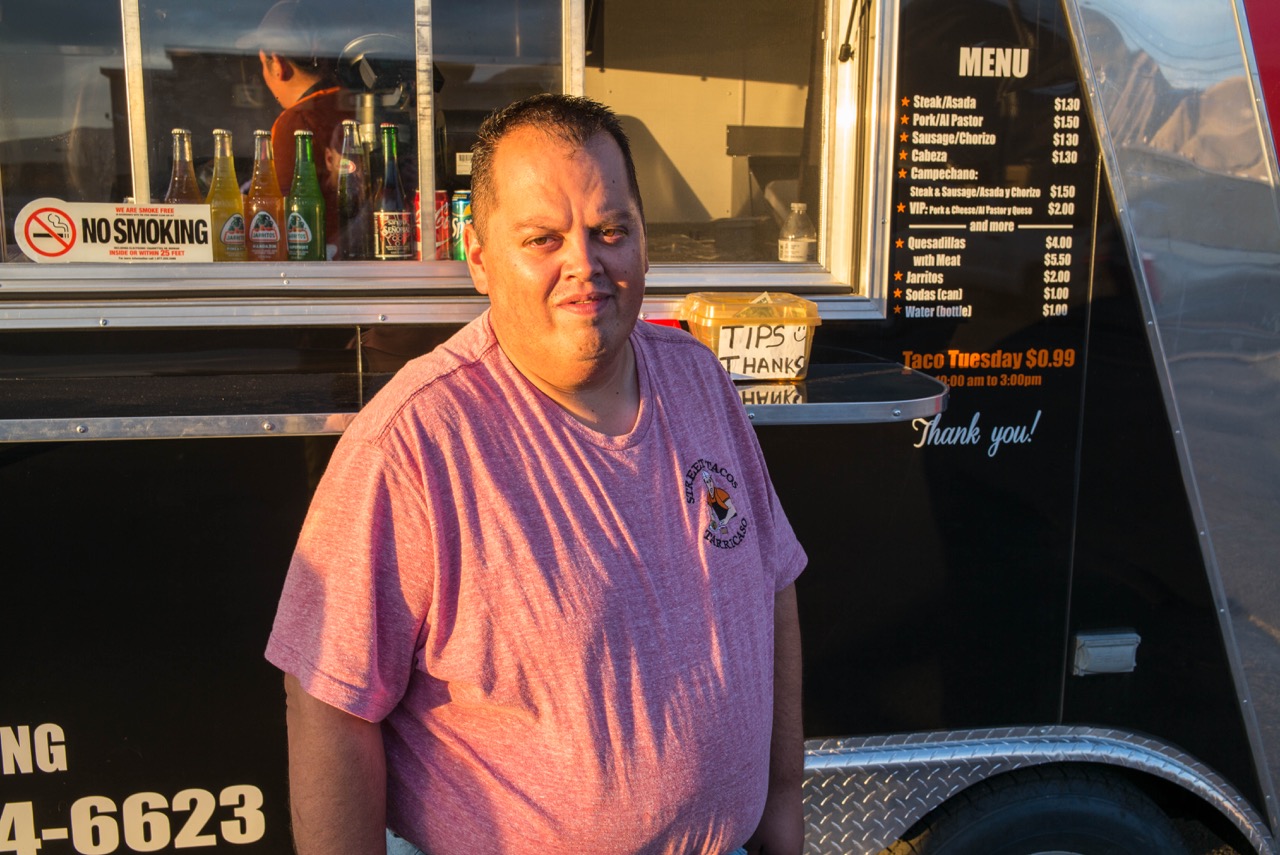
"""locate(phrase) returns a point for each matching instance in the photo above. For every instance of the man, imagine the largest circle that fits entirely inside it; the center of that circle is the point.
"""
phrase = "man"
(301, 82)
(506, 627)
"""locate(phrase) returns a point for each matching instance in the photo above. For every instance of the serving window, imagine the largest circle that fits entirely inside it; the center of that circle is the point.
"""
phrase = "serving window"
(739, 113)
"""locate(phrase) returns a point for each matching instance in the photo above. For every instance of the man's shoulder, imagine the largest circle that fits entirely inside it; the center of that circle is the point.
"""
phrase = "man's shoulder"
(427, 385)
(676, 357)
(674, 344)
(327, 101)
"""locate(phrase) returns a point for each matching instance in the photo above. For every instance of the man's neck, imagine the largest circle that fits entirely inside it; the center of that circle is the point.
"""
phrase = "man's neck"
(303, 87)
(607, 401)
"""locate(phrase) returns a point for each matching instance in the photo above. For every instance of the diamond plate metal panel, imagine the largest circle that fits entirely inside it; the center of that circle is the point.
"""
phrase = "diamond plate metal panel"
(861, 795)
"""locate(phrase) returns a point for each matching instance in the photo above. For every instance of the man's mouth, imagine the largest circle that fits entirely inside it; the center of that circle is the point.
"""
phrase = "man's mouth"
(586, 299)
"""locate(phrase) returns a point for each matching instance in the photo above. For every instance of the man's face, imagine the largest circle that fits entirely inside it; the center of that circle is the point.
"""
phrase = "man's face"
(564, 259)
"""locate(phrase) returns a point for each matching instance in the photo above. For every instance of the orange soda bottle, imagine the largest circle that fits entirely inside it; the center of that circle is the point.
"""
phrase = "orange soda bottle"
(264, 206)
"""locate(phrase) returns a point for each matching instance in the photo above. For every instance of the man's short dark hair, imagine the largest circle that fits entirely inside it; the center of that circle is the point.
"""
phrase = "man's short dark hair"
(569, 118)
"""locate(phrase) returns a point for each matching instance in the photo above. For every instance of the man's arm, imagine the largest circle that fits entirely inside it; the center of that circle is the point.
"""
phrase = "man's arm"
(781, 829)
(337, 778)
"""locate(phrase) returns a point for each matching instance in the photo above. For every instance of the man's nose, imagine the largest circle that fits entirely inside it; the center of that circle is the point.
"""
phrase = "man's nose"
(582, 254)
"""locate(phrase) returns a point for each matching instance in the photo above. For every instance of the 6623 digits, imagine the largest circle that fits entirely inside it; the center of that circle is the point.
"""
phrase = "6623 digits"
(142, 822)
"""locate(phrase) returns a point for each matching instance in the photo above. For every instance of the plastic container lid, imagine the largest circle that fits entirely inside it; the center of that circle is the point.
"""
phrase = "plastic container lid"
(708, 307)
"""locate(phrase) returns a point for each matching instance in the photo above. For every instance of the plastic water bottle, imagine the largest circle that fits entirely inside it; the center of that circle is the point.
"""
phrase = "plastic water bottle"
(798, 238)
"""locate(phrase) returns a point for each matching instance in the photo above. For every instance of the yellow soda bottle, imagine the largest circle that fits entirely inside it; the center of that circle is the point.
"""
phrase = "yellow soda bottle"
(264, 206)
(226, 205)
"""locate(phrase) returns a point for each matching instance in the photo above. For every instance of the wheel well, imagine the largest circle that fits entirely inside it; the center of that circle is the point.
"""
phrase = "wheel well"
(1192, 814)
(1204, 827)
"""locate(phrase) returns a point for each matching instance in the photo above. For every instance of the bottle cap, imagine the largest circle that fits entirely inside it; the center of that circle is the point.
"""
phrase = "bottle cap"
(801, 207)
(296, 133)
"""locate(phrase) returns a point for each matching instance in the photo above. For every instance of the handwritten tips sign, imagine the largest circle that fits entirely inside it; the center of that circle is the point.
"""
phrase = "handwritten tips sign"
(755, 335)
(764, 351)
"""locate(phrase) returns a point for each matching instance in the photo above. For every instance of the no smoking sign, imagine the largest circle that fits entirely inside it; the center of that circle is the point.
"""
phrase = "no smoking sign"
(51, 230)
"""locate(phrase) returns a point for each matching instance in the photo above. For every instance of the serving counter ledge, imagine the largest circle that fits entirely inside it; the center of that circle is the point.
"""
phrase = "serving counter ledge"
(54, 408)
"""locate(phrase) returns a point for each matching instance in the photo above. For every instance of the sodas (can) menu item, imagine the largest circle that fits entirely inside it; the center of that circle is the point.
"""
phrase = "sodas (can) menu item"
(392, 218)
(183, 189)
(264, 207)
(226, 205)
(355, 230)
(304, 225)
(459, 219)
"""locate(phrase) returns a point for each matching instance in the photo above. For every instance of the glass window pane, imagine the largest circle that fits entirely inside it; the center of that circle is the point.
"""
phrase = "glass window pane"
(488, 54)
(248, 65)
(63, 123)
(722, 103)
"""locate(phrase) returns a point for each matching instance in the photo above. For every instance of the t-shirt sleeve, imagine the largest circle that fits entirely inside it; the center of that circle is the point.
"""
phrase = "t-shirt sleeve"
(781, 549)
(353, 610)
(790, 558)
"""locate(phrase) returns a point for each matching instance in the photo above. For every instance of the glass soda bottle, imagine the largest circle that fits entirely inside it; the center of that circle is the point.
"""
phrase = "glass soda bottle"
(355, 229)
(304, 209)
(798, 238)
(226, 205)
(183, 189)
(392, 217)
(264, 207)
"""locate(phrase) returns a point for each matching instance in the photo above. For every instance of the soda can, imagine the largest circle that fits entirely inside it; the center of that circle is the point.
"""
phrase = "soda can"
(444, 247)
(417, 225)
(459, 218)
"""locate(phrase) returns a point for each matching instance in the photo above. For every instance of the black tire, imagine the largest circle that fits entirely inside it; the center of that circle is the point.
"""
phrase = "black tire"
(1046, 811)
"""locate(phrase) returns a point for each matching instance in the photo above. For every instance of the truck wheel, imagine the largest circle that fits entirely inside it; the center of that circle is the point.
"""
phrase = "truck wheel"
(1046, 811)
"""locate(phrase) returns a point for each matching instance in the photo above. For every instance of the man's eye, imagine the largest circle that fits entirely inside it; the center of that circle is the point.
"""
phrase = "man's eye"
(540, 240)
(612, 235)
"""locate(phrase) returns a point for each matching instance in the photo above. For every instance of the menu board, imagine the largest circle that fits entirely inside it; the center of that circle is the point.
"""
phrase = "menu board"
(994, 180)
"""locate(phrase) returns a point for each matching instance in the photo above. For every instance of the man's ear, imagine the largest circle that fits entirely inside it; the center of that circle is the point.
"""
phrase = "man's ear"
(275, 65)
(475, 258)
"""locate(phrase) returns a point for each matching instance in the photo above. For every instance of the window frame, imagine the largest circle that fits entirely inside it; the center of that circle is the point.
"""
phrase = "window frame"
(847, 280)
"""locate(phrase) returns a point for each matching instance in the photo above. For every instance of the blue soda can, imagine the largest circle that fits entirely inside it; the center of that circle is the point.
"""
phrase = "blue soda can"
(459, 217)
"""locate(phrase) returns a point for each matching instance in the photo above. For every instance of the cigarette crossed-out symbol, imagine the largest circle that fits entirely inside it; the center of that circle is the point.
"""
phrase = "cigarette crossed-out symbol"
(50, 232)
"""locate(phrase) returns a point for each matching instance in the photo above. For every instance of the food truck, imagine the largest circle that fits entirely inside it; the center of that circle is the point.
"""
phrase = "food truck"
(1024, 422)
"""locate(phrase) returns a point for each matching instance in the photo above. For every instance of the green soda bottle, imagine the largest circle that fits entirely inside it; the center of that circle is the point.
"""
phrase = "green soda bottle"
(304, 209)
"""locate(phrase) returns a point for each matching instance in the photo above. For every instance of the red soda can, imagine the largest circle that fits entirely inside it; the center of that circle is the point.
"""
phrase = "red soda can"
(442, 224)
(417, 225)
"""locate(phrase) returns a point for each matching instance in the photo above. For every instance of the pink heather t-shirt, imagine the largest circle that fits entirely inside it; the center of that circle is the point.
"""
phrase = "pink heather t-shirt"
(567, 636)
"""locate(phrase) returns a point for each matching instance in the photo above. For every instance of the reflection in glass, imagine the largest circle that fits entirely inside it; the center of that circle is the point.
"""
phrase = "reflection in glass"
(62, 108)
(722, 104)
(248, 65)
(488, 54)
(1193, 178)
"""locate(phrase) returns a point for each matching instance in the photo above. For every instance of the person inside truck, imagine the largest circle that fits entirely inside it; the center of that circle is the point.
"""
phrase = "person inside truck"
(504, 628)
(302, 82)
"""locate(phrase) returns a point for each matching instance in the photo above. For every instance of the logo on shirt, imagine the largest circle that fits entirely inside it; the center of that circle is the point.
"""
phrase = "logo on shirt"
(713, 485)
